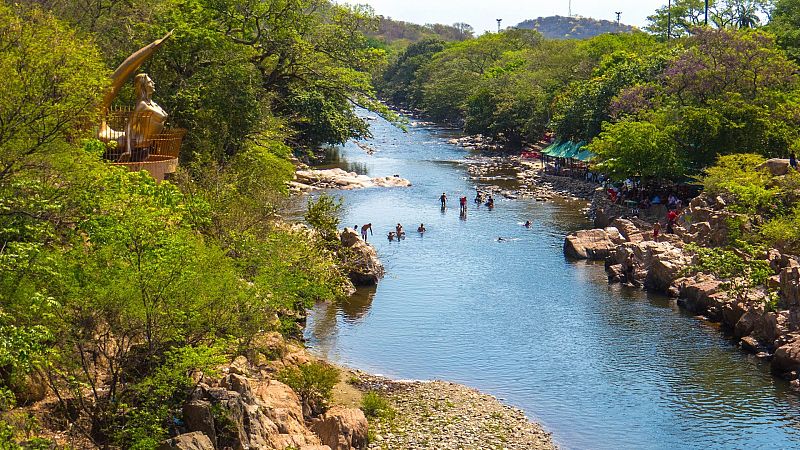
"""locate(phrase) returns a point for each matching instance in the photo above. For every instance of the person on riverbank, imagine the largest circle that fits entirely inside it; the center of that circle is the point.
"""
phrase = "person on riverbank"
(793, 161)
(443, 199)
(630, 270)
(421, 229)
(656, 231)
(364, 229)
(672, 216)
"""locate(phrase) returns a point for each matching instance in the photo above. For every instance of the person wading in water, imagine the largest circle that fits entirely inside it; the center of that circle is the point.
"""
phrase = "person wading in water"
(364, 229)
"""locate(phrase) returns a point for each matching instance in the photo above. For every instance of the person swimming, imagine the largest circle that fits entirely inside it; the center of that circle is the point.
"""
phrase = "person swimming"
(421, 228)
(527, 224)
(391, 236)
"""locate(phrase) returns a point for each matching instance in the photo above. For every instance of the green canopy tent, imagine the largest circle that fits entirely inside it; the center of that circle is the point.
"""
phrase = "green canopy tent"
(569, 150)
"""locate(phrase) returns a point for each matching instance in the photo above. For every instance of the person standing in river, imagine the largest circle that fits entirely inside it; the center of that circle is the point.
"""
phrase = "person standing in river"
(463, 202)
(399, 231)
(364, 229)
(443, 199)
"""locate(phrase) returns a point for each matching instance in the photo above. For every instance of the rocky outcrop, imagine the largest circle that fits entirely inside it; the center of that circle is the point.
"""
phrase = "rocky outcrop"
(786, 360)
(364, 267)
(589, 244)
(342, 428)
(246, 410)
(776, 166)
(340, 179)
(188, 441)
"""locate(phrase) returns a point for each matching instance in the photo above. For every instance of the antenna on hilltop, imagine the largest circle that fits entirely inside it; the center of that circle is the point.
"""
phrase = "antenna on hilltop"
(569, 11)
(618, 13)
(498, 24)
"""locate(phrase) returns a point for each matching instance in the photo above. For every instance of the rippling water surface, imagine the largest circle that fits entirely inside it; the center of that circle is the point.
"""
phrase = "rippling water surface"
(599, 366)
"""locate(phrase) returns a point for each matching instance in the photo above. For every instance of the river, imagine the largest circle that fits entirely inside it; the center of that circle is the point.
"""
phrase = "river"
(600, 366)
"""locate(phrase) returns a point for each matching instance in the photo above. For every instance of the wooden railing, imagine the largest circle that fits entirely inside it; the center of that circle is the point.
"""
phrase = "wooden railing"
(158, 154)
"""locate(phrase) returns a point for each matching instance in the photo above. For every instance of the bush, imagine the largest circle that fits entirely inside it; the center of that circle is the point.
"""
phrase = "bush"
(313, 382)
(375, 406)
(736, 177)
(323, 215)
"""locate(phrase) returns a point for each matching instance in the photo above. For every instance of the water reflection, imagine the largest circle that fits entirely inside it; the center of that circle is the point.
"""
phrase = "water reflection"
(333, 160)
(356, 307)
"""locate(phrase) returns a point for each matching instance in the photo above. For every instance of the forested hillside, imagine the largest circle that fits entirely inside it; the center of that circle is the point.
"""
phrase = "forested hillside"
(389, 31)
(558, 27)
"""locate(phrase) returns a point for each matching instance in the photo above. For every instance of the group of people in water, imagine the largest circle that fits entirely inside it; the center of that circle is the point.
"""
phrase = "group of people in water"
(480, 198)
(399, 233)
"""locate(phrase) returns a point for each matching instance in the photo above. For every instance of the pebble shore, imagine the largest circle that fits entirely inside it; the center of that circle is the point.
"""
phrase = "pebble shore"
(439, 415)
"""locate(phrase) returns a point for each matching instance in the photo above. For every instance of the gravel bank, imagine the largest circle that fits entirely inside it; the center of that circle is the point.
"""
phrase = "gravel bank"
(439, 415)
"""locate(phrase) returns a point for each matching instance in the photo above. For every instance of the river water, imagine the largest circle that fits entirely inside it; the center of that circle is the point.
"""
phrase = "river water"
(599, 366)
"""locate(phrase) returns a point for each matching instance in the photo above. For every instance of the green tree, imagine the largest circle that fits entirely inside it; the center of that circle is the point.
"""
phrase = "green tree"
(637, 149)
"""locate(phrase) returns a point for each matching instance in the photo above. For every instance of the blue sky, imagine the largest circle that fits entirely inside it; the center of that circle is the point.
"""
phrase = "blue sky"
(481, 14)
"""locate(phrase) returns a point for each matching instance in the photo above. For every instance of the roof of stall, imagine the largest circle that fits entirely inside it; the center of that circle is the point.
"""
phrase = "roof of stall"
(569, 149)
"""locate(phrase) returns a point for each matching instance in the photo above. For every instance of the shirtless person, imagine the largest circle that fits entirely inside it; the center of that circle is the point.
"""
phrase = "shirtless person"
(364, 229)
(443, 199)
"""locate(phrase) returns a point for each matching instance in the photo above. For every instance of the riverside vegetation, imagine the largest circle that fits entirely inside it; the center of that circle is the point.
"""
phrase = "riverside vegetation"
(121, 298)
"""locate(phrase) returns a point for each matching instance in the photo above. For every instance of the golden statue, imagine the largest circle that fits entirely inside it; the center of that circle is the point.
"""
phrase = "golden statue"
(146, 121)
(147, 118)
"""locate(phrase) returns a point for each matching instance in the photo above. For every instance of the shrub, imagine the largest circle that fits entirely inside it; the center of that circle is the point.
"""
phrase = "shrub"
(313, 382)
(375, 406)
(736, 177)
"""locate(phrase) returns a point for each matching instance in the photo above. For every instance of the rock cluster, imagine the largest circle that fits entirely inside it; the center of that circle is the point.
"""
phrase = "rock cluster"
(307, 180)
(441, 416)
(525, 176)
(631, 256)
(364, 267)
(248, 410)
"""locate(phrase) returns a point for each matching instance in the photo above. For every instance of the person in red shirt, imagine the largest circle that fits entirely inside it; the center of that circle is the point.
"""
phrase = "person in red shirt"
(672, 215)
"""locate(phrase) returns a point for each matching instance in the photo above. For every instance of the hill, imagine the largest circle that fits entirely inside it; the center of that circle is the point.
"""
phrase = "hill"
(390, 30)
(559, 27)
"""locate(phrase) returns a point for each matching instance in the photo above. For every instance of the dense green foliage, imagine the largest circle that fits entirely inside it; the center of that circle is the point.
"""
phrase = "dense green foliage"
(769, 203)
(115, 289)
(646, 106)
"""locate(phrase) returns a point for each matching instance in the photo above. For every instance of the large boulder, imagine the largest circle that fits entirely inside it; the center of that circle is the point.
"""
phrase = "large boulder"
(589, 244)
(787, 358)
(198, 417)
(342, 428)
(776, 166)
(364, 267)
(628, 230)
(790, 286)
(702, 295)
(188, 441)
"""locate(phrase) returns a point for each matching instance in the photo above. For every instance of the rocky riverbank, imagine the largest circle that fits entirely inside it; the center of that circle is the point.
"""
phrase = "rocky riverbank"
(513, 176)
(764, 320)
(438, 415)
